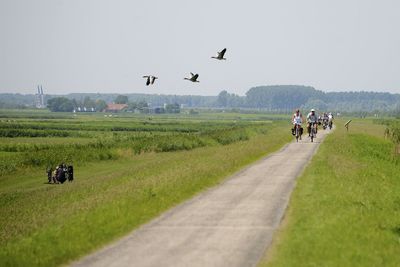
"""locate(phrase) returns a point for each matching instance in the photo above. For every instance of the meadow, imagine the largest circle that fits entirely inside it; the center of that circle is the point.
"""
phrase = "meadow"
(345, 209)
(128, 169)
(29, 139)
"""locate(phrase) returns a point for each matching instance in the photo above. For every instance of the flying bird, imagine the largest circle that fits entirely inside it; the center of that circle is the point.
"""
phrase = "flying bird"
(193, 78)
(153, 78)
(220, 55)
(150, 79)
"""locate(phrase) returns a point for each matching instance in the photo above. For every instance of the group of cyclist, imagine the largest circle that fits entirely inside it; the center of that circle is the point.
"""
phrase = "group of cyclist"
(313, 120)
(326, 120)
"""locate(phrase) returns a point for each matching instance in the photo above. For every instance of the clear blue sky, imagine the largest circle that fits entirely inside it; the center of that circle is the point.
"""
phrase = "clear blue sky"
(107, 46)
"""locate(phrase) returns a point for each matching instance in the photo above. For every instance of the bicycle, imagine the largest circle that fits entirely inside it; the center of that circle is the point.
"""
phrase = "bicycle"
(325, 124)
(298, 132)
(313, 131)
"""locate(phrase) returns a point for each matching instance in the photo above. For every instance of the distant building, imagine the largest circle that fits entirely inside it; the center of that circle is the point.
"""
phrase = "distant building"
(115, 107)
(39, 98)
(157, 110)
(84, 109)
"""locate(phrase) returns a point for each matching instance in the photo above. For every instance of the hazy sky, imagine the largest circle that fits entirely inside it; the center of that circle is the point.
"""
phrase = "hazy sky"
(107, 46)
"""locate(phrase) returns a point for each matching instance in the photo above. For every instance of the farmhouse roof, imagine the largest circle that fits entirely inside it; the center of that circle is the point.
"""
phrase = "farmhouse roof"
(116, 107)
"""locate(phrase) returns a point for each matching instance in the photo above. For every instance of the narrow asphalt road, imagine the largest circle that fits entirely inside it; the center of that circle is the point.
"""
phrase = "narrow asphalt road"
(229, 225)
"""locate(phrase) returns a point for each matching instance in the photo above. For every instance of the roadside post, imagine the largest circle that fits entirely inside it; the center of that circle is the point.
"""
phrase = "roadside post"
(347, 125)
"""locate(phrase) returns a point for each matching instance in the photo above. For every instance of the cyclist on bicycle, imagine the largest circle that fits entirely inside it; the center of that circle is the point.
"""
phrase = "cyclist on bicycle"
(297, 119)
(330, 120)
(312, 118)
(325, 120)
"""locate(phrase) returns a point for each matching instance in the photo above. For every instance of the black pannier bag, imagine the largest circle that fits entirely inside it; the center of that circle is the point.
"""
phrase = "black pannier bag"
(61, 177)
(70, 172)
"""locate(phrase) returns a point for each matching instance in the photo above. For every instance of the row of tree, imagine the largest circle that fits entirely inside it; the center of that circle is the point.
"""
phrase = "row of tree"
(64, 104)
(286, 98)
(281, 98)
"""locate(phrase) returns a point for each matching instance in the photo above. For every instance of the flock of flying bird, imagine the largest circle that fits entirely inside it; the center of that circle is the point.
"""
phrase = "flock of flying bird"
(150, 79)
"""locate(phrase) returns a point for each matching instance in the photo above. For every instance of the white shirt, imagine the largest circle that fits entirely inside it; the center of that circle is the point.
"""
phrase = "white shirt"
(297, 119)
(312, 118)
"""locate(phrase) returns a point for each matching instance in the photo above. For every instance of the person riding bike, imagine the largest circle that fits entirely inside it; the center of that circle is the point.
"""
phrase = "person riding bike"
(330, 120)
(325, 120)
(297, 119)
(312, 119)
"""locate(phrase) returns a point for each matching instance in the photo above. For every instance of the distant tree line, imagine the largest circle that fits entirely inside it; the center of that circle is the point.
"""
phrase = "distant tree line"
(286, 98)
(64, 104)
(279, 98)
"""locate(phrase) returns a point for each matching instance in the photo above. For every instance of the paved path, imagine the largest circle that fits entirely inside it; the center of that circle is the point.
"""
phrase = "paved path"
(229, 225)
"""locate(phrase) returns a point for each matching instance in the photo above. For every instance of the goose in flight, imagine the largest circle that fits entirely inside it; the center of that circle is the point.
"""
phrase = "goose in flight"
(153, 78)
(193, 78)
(220, 55)
(150, 79)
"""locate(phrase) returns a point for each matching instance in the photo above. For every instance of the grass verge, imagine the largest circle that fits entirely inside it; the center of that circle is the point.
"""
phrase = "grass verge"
(345, 209)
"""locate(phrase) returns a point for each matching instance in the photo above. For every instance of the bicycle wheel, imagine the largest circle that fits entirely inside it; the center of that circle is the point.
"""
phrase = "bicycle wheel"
(312, 134)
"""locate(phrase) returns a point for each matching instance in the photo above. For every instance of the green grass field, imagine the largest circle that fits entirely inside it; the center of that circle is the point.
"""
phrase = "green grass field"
(345, 209)
(164, 162)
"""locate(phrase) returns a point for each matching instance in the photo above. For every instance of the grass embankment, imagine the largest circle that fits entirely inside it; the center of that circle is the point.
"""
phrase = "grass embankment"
(48, 225)
(27, 142)
(345, 209)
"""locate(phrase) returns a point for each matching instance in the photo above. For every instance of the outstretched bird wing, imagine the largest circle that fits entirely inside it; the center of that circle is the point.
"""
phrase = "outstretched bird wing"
(148, 79)
(194, 77)
(222, 53)
(192, 74)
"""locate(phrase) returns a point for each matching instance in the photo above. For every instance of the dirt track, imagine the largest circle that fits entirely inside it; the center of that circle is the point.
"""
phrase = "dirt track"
(229, 225)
